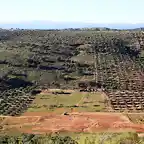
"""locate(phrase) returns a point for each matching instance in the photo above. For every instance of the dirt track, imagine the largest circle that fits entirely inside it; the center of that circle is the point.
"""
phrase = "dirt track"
(74, 122)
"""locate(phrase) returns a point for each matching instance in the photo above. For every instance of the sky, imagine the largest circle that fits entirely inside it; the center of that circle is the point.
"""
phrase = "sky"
(91, 11)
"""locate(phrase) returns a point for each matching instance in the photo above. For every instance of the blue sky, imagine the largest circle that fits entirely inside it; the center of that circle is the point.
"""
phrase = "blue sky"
(93, 11)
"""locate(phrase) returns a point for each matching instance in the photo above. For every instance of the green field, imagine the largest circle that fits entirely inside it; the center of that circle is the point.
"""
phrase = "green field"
(80, 101)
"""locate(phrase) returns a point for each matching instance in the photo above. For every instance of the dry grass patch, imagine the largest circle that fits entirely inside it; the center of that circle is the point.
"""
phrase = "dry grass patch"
(76, 101)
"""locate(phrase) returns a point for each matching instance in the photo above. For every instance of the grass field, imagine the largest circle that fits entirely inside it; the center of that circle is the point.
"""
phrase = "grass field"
(77, 101)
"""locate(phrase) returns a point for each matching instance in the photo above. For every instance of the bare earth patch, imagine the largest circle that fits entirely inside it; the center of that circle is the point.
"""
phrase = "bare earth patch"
(56, 90)
(41, 123)
(136, 118)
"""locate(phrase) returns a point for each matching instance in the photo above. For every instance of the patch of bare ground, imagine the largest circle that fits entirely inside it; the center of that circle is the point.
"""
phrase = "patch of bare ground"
(141, 134)
(42, 123)
(136, 117)
(57, 90)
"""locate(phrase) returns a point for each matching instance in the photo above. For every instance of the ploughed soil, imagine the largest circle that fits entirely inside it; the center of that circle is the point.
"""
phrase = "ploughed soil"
(41, 123)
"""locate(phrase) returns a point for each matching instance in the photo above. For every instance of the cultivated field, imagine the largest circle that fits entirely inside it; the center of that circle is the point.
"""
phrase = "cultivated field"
(74, 101)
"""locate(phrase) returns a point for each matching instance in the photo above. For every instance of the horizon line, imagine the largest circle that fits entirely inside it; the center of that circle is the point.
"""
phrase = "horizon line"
(86, 22)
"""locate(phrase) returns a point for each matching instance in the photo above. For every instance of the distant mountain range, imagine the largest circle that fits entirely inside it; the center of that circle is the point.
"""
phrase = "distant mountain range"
(65, 25)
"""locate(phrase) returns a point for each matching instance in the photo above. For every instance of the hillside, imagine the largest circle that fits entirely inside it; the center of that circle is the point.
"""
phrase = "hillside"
(51, 74)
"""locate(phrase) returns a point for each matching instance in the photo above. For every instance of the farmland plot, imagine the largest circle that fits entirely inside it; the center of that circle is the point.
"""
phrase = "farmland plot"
(76, 101)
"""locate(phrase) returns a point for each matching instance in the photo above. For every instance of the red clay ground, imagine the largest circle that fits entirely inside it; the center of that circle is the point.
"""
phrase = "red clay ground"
(74, 122)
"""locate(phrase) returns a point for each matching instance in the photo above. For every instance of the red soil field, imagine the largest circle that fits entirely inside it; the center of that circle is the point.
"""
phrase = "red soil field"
(41, 123)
